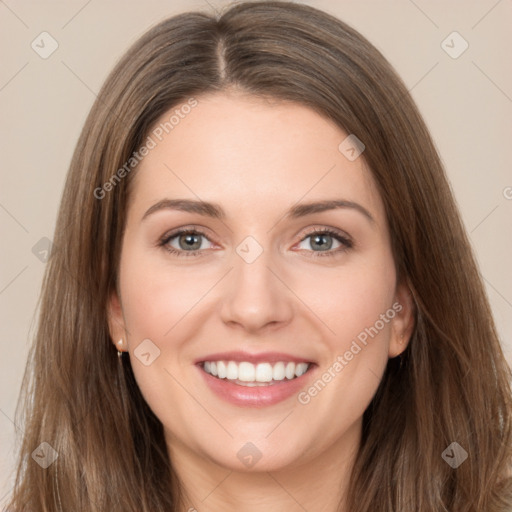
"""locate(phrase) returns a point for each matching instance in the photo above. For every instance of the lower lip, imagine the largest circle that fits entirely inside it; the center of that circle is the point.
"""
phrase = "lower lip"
(257, 396)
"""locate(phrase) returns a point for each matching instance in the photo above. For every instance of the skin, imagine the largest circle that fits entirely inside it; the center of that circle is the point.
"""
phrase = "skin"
(256, 158)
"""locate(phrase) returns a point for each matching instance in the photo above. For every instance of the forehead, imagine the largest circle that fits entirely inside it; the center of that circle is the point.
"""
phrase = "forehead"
(244, 151)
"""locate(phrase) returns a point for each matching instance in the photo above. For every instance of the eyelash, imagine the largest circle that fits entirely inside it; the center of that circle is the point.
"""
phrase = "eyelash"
(343, 239)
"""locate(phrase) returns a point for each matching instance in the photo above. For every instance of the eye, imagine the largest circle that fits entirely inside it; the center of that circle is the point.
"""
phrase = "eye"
(189, 242)
(322, 241)
(184, 242)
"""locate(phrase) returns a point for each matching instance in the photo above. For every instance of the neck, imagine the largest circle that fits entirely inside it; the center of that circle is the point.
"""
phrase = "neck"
(316, 483)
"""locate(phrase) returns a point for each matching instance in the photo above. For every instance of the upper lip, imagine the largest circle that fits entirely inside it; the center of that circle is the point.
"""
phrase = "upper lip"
(263, 357)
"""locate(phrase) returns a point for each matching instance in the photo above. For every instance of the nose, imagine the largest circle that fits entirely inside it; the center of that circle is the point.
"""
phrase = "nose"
(257, 296)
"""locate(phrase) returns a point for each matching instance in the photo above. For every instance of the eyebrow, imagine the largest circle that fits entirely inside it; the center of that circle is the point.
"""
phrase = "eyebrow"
(216, 211)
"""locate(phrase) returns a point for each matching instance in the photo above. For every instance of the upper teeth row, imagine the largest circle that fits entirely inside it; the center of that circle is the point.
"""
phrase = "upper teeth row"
(248, 372)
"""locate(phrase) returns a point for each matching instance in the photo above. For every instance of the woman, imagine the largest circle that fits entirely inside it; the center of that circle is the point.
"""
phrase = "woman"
(262, 296)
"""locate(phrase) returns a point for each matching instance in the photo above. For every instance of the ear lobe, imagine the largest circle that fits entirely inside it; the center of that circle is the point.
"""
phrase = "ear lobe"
(403, 322)
(116, 324)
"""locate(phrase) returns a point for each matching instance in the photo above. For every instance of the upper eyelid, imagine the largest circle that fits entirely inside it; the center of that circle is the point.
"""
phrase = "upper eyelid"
(321, 229)
(180, 231)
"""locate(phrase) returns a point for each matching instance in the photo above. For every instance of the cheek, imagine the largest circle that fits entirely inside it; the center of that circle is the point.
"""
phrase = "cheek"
(156, 296)
(158, 303)
(354, 297)
(161, 304)
(357, 307)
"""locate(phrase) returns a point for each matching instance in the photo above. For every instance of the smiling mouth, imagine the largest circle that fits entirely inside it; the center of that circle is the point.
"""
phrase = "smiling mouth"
(255, 375)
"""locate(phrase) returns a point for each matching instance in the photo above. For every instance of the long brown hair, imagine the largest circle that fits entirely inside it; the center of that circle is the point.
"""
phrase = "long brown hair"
(453, 384)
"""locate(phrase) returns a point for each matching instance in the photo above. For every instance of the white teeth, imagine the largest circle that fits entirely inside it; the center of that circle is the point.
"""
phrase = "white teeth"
(246, 372)
(252, 374)
(301, 369)
(232, 371)
(221, 370)
(290, 370)
(278, 371)
(263, 372)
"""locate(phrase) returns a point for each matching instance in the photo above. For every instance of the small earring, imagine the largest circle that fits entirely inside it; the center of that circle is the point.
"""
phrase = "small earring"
(120, 352)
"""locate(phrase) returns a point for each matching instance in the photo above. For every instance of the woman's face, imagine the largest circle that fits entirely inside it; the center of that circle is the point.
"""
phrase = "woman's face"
(257, 290)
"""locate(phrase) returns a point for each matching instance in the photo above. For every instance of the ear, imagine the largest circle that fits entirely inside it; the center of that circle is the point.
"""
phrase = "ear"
(403, 321)
(116, 322)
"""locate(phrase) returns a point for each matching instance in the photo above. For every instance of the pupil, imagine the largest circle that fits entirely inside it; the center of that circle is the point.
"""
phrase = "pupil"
(320, 244)
(190, 241)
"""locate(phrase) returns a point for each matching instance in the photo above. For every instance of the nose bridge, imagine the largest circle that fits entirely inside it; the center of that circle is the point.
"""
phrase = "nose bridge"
(256, 297)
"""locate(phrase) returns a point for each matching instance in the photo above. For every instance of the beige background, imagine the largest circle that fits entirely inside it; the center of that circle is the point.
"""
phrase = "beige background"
(466, 102)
